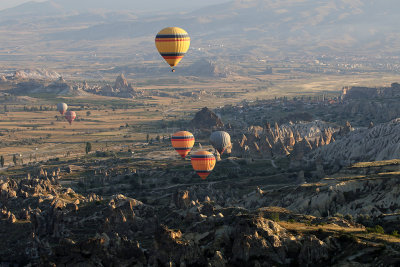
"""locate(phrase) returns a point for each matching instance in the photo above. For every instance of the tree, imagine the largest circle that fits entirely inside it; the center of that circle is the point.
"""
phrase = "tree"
(147, 138)
(88, 113)
(15, 159)
(88, 147)
(2, 161)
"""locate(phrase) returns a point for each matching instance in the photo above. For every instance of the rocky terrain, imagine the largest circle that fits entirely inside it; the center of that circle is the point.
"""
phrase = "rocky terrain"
(121, 88)
(45, 224)
(268, 142)
(27, 86)
(380, 142)
(354, 92)
(206, 119)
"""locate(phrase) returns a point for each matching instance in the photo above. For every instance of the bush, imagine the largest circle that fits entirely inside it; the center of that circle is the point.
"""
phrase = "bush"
(349, 217)
(291, 221)
(274, 216)
(377, 229)
(395, 233)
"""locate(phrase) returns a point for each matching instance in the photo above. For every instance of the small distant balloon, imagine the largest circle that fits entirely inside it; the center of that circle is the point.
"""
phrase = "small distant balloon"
(183, 142)
(62, 108)
(70, 116)
(172, 43)
(203, 163)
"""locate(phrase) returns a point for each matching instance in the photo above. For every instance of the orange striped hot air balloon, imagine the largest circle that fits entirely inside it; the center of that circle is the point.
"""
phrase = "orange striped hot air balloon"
(183, 142)
(172, 43)
(203, 163)
(70, 116)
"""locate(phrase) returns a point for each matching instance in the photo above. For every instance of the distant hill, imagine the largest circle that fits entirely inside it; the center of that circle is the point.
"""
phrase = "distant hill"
(237, 29)
(55, 7)
(271, 25)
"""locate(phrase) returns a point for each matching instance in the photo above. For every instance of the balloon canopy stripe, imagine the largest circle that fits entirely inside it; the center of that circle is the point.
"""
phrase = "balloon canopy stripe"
(207, 171)
(162, 36)
(203, 159)
(172, 40)
(178, 138)
(195, 157)
(172, 54)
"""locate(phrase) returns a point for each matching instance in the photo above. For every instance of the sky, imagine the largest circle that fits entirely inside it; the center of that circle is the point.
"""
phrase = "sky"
(12, 3)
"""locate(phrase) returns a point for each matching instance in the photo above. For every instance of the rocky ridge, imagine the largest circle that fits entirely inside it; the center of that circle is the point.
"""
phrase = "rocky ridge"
(379, 142)
(268, 142)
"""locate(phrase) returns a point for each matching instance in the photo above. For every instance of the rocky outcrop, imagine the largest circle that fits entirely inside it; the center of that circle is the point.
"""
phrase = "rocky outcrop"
(357, 92)
(121, 88)
(206, 119)
(207, 68)
(296, 140)
(59, 87)
(36, 74)
(381, 142)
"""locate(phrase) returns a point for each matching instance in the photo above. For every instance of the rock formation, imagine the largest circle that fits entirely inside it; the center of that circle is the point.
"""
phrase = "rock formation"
(295, 140)
(380, 142)
(206, 119)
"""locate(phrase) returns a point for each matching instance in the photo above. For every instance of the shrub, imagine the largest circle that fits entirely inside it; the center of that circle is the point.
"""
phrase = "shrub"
(377, 229)
(349, 217)
(274, 216)
(395, 233)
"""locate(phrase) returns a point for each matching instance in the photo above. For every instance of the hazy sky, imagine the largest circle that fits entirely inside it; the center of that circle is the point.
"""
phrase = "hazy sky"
(12, 3)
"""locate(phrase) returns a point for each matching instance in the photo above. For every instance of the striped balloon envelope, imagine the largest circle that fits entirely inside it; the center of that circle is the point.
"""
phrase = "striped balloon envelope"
(203, 163)
(172, 43)
(183, 142)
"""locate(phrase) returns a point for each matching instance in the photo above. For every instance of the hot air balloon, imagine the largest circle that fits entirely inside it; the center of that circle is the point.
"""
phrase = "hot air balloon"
(203, 163)
(62, 108)
(172, 43)
(220, 140)
(70, 116)
(183, 142)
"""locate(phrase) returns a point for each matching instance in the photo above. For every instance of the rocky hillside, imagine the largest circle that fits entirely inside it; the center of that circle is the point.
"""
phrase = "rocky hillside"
(381, 142)
(364, 190)
(45, 224)
(207, 68)
(121, 88)
(59, 87)
(206, 119)
(295, 140)
(356, 92)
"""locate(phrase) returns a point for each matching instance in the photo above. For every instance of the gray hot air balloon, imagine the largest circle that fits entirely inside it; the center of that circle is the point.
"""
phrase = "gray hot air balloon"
(220, 140)
(62, 108)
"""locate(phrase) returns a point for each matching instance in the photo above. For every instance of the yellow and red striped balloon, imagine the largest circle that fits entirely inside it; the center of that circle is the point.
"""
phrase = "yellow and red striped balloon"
(172, 43)
(203, 163)
(183, 142)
